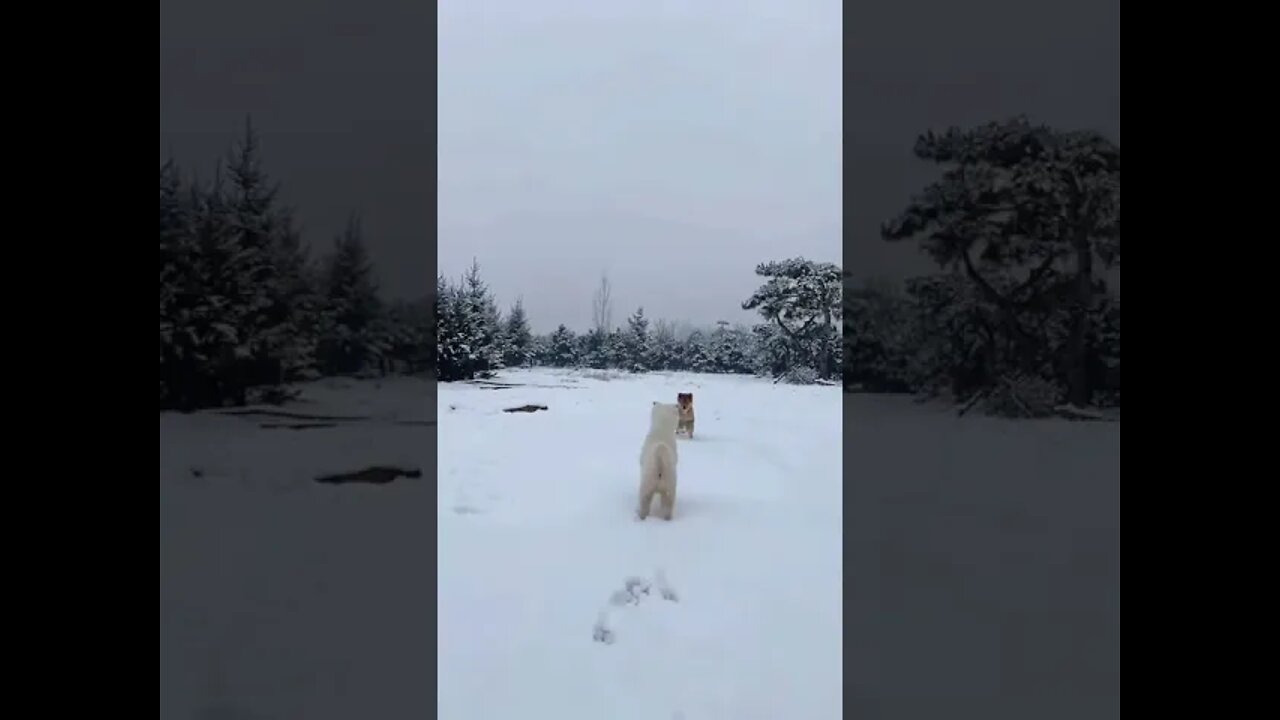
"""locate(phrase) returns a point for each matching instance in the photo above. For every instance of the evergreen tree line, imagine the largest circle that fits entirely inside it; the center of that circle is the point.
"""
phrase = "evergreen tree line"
(1022, 224)
(475, 339)
(244, 307)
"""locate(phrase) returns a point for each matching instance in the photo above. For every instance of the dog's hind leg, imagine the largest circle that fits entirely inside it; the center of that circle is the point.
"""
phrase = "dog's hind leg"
(668, 503)
(669, 495)
(646, 500)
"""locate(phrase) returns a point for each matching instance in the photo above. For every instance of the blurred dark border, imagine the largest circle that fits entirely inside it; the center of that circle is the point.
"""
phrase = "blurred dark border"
(238, 59)
(961, 602)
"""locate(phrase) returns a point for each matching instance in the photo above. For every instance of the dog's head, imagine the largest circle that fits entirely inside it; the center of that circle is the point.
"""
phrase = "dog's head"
(664, 414)
(684, 400)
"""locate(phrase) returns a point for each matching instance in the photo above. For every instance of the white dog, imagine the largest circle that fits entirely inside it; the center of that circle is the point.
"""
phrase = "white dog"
(658, 458)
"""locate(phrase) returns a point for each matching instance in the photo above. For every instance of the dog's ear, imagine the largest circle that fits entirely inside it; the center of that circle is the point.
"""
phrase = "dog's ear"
(655, 403)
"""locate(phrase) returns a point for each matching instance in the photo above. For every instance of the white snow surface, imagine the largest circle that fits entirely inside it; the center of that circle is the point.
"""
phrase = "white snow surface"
(538, 530)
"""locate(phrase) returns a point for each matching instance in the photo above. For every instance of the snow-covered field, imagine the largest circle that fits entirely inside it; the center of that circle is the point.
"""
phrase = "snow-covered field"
(283, 598)
(537, 534)
(982, 564)
(982, 556)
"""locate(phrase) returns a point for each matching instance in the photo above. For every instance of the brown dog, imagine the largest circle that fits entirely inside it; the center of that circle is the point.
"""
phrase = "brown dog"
(685, 403)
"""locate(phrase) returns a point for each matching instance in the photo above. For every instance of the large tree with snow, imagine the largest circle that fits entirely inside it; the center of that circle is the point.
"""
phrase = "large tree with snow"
(802, 298)
(1024, 211)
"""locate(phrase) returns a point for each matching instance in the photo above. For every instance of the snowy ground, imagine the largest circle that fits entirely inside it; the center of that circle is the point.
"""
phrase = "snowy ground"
(537, 533)
(982, 564)
(283, 598)
(980, 558)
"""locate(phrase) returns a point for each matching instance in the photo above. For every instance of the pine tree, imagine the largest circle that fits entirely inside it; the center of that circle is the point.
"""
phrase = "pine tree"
(730, 350)
(593, 348)
(616, 350)
(636, 343)
(480, 313)
(955, 343)
(351, 334)
(401, 335)
(468, 328)
(222, 308)
(802, 298)
(453, 334)
(563, 348)
(697, 354)
(518, 337)
(540, 351)
(1025, 201)
(296, 315)
(265, 323)
(773, 351)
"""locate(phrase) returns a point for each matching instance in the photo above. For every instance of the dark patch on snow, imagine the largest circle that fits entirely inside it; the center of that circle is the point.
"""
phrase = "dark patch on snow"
(380, 475)
(525, 408)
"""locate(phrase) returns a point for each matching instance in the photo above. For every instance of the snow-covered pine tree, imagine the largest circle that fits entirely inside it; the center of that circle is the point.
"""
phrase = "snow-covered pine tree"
(481, 314)
(351, 335)
(563, 348)
(773, 352)
(221, 306)
(410, 341)
(615, 350)
(518, 338)
(592, 348)
(297, 312)
(266, 325)
(1032, 207)
(401, 340)
(468, 328)
(731, 349)
(802, 298)
(697, 353)
(454, 340)
(635, 343)
(954, 345)
(539, 351)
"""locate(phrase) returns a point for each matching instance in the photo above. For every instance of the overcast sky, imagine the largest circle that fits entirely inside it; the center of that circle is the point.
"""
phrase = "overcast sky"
(673, 145)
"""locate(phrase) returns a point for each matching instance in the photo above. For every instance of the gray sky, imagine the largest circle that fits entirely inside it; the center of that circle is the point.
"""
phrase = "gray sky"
(339, 92)
(672, 144)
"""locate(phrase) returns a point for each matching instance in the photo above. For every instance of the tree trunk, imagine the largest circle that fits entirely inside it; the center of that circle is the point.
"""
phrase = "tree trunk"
(1078, 391)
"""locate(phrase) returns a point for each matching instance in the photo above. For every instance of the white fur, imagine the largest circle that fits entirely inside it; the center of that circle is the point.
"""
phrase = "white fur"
(658, 459)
